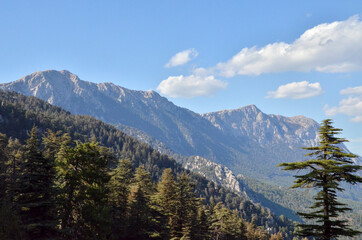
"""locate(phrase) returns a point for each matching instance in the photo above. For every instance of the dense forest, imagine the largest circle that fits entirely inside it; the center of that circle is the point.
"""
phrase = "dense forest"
(74, 177)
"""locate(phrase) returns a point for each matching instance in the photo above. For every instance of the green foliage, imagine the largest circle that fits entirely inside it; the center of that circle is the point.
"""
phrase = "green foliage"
(82, 176)
(34, 193)
(140, 212)
(164, 200)
(100, 199)
(329, 167)
(119, 190)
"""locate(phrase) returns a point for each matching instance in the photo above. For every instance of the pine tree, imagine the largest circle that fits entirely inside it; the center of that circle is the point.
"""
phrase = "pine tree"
(239, 226)
(276, 236)
(329, 167)
(82, 175)
(35, 193)
(164, 199)
(202, 228)
(52, 143)
(220, 220)
(140, 225)
(9, 168)
(3, 167)
(186, 204)
(15, 159)
(255, 232)
(121, 178)
(9, 223)
(226, 224)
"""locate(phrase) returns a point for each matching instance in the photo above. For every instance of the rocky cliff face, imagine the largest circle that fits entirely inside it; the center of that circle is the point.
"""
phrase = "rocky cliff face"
(249, 122)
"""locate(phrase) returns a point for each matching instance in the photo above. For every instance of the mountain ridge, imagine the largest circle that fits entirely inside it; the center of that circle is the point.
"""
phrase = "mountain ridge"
(245, 140)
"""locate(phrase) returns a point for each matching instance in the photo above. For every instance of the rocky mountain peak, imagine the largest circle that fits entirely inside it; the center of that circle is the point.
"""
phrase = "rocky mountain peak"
(55, 87)
(262, 128)
(49, 76)
(249, 108)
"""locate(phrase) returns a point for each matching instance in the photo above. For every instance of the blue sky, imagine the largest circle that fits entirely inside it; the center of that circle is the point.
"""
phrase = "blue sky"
(287, 57)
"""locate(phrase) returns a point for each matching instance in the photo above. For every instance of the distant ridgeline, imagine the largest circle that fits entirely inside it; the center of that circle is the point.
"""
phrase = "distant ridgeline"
(19, 114)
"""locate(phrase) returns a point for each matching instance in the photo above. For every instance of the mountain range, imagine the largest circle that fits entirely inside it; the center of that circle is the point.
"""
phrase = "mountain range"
(245, 140)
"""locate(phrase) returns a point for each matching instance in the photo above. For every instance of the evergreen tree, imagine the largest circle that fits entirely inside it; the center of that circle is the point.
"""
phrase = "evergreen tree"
(121, 178)
(239, 226)
(35, 193)
(254, 232)
(52, 143)
(140, 225)
(329, 167)
(15, 159)
(276, 236)
(165, 199)
(202, 229)
(9, 221)
(9, 224)
(82, 175)
(186, 204)
(226, 224)
(3, 167)
(220, 220)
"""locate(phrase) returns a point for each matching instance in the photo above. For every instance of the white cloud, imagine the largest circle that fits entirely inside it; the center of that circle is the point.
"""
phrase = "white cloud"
(351, 106)
(328, 47)
(352, 91)
(357, 119)
(190, 86)
(297, 90)
(181, 58)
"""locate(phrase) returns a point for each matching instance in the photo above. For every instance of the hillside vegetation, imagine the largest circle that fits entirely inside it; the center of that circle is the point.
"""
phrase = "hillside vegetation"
(18, 115)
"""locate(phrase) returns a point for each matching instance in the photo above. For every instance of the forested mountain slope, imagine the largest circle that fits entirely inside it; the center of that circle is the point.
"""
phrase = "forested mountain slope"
(18, 114)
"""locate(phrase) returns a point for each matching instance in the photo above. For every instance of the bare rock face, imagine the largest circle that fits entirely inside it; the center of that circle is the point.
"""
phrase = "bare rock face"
(245, 140)
(265, 129)
(215, 172)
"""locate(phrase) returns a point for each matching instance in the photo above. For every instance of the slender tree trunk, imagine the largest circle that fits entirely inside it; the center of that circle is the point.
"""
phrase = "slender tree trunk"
(326, 223)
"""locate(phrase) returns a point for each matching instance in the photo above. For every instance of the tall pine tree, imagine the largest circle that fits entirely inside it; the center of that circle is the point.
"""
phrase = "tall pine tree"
(140, 224)
(119, 188)
(3, 167)
(82, 176)
(35, 193)
(165, 198)
(329, 166)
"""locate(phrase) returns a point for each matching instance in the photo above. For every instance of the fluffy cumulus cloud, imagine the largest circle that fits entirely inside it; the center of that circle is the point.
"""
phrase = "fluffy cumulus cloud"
(297, 90)
(350, 106)
(182, 58)
(328, 47)
(190, 86)
(352, 91)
